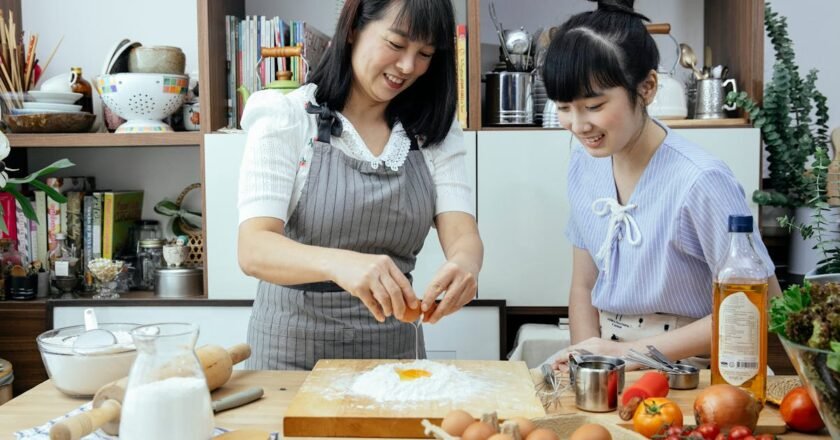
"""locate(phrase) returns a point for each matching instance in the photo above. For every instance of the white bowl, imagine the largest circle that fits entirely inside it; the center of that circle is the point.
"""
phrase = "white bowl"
(82, 374)
(55, 97)
(51, 106)
(143, 99)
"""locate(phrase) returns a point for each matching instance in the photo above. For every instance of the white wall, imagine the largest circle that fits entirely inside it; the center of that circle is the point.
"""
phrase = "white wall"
(90, 30)
(812, 25)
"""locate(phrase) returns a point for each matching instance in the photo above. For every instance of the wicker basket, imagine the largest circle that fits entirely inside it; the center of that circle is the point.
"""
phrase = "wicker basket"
(565, 425)
(196, 237)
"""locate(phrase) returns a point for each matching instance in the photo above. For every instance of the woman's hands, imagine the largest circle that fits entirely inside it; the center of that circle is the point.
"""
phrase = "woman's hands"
(594, 345)
(460, 286)
(376, 281)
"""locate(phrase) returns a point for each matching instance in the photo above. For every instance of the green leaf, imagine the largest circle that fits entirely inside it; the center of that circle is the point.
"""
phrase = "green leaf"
(794, 299)
(49, 191)
(833, 361)
(57, 165)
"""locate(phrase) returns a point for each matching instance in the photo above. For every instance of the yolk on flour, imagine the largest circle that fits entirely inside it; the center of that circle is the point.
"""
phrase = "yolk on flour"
(411, 373)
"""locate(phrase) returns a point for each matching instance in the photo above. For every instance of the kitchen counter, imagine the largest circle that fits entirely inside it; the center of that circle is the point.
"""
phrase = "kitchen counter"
(44, 402)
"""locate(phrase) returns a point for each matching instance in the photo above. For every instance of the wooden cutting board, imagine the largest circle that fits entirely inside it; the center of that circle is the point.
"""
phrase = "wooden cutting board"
(325, 407)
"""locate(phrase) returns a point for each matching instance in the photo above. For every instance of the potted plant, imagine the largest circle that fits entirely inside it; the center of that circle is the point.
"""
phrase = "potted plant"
(793, 122)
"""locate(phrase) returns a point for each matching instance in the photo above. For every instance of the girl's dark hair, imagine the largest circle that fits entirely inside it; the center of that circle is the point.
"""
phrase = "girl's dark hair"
(427, 108)
(601, 49)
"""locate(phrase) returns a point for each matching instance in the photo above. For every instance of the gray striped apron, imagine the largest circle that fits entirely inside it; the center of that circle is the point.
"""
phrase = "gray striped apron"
(345, 204)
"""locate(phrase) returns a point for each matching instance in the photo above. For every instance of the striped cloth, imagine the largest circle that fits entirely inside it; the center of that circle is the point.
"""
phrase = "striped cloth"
(656, 253)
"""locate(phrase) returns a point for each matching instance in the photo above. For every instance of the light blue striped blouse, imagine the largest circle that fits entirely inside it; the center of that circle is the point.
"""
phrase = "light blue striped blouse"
(669, 236)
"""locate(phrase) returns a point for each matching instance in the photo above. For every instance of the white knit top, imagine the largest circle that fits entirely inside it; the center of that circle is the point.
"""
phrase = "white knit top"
(279, 148)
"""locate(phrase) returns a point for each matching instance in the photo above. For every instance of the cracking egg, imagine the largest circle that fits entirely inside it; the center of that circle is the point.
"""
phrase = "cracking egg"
(412, 373)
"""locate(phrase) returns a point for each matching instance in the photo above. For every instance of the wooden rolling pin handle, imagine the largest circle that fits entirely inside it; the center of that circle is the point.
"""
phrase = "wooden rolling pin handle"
(80, 425)
(239, 353)
(281, 52)
(658, 28)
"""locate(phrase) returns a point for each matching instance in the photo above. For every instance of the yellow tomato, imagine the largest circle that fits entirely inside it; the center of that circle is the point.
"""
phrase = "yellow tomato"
(656, 414)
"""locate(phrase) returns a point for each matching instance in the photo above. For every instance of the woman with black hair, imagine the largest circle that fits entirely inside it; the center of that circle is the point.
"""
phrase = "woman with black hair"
(340, 183)
(649, 209)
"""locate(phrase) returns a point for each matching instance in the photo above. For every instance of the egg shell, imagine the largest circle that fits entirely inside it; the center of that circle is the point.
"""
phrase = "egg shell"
(501, 436)
(411, 315)
(456, 422)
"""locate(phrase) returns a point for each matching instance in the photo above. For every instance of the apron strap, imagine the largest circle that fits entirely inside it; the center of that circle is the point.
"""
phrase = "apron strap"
(328, 286)
(328, 123)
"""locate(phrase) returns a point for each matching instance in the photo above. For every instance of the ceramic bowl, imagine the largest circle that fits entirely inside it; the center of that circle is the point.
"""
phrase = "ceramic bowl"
(54, 97)
(50, 122)
(143, 99)
(59, 83)
(82, 374)
(156, 59)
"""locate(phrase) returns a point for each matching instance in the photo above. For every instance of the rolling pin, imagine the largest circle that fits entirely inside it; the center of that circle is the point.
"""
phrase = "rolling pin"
(107, 402)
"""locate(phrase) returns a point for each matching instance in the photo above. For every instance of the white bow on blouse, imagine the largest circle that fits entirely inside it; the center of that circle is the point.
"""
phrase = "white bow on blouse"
(618, 216)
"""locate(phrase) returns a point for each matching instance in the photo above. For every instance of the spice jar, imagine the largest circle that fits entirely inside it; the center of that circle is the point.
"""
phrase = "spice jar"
(149, 258)
(79, 85)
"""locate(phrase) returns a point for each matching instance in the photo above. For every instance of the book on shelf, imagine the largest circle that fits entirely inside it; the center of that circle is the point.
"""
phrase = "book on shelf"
(23, 238)
(57, 212)
(120, 209)
(461, 72)
(7, 201)
(247, 68)
(73, 210)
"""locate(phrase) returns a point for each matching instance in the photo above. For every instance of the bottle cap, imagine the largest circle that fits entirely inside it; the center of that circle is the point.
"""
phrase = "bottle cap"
(740, 223)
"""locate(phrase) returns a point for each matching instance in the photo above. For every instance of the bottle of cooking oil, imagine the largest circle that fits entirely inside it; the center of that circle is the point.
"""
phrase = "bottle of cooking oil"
(739, 318)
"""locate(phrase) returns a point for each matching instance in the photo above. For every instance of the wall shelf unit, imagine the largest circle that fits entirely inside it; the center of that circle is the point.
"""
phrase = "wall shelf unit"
(61, 140)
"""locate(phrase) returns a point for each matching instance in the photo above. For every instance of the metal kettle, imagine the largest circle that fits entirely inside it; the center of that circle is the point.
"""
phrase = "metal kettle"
(670, 101)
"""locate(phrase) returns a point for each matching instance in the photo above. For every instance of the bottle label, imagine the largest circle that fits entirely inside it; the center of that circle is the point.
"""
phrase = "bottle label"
(738, 338)
(62, 268)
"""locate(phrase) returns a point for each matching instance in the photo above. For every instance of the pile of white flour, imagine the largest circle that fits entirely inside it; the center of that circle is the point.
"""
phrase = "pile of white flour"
(446, 382)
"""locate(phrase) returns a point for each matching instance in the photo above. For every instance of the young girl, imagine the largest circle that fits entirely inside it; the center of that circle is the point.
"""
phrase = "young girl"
(340, 183)
(649, 208)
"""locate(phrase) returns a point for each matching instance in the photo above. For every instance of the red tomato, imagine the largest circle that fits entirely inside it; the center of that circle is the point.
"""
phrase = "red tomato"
(739, 432)
(799, 411)
(709, 431)
(720, 436)
(673, 437)
(675, 430)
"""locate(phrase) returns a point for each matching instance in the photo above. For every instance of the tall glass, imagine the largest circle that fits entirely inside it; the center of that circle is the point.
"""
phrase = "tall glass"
(166, 395)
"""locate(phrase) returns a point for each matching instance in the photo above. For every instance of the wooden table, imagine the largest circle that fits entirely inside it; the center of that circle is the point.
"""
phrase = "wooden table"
(44, 402)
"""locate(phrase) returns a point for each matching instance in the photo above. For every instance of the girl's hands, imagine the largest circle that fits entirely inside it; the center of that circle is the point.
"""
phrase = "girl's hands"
(377, 281)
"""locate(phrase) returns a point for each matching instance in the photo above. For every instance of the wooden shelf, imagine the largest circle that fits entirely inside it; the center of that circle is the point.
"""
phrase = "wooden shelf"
(61, 140)
(674, 123)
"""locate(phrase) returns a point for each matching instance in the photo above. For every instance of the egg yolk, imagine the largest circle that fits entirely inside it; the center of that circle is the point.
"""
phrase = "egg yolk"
(412, 374)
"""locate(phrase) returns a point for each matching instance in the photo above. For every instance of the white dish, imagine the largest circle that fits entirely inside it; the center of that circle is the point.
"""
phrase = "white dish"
(32, 111)
(55, 97)
(51, 106)
(117, 59)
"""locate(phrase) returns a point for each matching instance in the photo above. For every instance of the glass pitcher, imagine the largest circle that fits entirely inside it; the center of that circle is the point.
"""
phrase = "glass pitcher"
(166, 396)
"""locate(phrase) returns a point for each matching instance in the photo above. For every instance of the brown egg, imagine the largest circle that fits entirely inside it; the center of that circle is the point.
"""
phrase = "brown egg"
(456, 422)
(501, 436)
(590, 431)
(411, 315)
(478, 431)
(542, 434)
(526, 426)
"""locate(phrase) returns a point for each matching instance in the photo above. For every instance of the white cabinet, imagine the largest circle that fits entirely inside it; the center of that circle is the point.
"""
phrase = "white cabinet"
(222, 156)
(520, 177)
(523, 208)
(472, 333)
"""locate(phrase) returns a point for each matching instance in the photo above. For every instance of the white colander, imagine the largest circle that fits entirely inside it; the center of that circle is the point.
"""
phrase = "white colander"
(143, 99)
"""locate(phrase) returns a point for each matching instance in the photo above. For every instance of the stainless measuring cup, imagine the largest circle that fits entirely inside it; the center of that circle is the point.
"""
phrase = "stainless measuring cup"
(597, 381)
